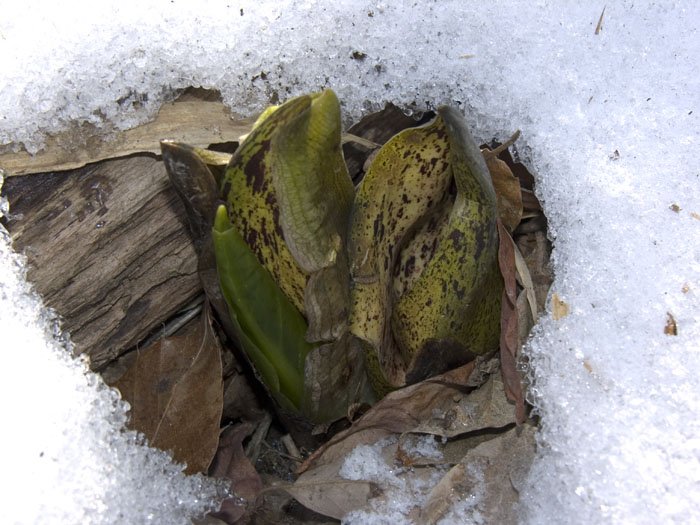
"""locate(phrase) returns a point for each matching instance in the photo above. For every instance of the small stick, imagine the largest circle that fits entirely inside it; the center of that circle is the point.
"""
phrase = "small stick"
(291, 447)
(507, 144)
(599, 27)
(349, 137)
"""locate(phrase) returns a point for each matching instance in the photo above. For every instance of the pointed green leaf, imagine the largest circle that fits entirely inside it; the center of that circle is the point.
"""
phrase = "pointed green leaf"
(272, 331)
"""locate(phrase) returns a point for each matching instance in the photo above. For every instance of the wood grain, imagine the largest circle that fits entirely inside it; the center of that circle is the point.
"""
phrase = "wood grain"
(106, 248)
(197, 118)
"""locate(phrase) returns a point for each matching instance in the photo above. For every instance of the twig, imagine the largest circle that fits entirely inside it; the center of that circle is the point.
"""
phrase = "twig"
(507, 144)
(291, 447)
(349, 137)
(599, 27)
(184, 316)
(252, 449)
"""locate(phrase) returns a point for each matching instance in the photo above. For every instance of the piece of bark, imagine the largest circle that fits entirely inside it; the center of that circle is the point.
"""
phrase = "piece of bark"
(198, 118)
(106, 248)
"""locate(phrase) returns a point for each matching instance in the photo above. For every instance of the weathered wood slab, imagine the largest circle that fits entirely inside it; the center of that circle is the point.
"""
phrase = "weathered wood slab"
(197, 118)
(106, 248)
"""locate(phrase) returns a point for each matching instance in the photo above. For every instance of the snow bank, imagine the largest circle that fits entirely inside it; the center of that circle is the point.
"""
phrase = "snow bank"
(65, 455)
(610, 127)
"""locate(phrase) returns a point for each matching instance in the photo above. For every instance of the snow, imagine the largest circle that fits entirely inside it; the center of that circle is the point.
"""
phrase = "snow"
(66, 456)
(402, 488)
(610, 128)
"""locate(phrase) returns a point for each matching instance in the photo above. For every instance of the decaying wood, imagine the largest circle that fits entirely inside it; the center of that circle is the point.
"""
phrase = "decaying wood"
(106, 248)
(106, 244)
(197, 118)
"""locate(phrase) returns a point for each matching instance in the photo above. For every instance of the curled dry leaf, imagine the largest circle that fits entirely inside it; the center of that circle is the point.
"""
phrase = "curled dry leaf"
(399, 411)
(197, 188)
(509, 324)
(441, 406)
(508, 194)
(484, 408)
(560, 309)
(525, 280)
(324, 491)
(492, 473)
(671, 327)
(175, 391)
(535, 249)
(525, 321)
(231, 463)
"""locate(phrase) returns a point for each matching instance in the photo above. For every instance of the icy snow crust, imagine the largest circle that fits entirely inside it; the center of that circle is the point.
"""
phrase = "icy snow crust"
(65, 455)
(610, 128)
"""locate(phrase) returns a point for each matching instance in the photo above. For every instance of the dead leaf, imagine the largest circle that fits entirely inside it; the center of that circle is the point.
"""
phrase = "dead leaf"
(531, 204)
(483, 408)
(175, 391)
(559, 308)
(535, 249)
(525, 322)
(671, 327)
(240, 400)
(508, 194)
(493, 473)
(195, 185)
(231, 463)
(695, 215)
(323, 490)
(509, 324)
(399, 411)
(675, 208)
(525, 280)
(441, 406)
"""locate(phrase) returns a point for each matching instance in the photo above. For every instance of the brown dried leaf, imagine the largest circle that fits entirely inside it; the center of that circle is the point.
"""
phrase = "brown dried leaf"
(176, 395)
(195, 185)
(483, 408)
(509, 324)
(508, 194)
(496, 470)
(231, 463)
(435, 406)
(324, 491)
(671, 327)
(525, 322)
(535, 249)
(241, 401)
(525, 280)
(560, 309)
